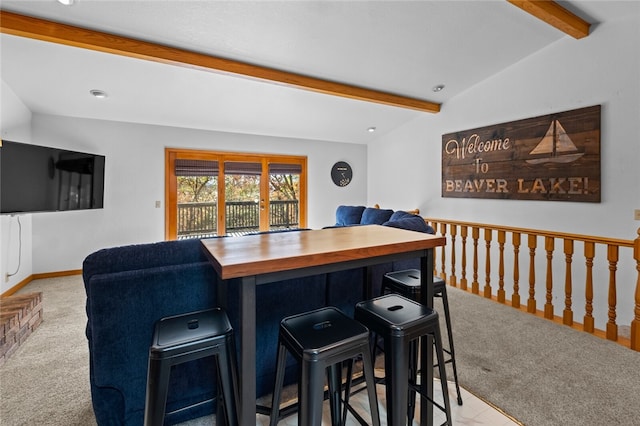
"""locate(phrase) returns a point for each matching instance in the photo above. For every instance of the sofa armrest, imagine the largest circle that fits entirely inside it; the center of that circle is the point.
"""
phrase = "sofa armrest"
(142, 256)
(122, 310)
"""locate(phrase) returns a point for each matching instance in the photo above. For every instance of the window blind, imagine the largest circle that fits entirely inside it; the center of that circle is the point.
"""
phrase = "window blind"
(196, 168)
(242, 168)
(285, 169)
(210, 168)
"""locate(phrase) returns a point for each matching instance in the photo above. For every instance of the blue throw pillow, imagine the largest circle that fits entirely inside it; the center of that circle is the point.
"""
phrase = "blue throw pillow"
(373, 216)
(348, 215)
(411, 223)
(400, 214)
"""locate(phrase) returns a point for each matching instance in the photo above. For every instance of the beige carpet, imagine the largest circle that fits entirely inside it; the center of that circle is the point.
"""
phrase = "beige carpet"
(539, 372)
(46, 381)
(542, 373)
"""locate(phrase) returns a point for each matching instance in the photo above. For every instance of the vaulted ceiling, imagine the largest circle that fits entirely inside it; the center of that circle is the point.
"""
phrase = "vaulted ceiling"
(324, 70)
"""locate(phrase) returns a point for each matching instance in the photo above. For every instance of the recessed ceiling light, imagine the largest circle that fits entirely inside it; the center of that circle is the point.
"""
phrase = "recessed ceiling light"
(66, 2)
(371, 129)
(100, 94)
(438, 88)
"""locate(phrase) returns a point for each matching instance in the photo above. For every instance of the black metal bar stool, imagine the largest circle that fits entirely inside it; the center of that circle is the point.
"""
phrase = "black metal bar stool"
(402, 322)
(321, 340)
(407, 283)
(189, 337)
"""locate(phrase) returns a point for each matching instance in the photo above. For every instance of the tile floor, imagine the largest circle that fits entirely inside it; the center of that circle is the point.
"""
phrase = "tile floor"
(473, 412)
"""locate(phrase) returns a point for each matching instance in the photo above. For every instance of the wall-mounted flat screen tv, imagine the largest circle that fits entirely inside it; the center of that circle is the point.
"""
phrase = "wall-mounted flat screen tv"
(36, 178)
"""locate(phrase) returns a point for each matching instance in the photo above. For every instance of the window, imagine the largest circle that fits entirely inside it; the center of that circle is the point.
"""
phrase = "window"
(218, 193)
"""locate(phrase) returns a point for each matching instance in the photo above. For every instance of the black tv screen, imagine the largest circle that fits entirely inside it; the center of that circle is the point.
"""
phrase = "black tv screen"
(36, 178)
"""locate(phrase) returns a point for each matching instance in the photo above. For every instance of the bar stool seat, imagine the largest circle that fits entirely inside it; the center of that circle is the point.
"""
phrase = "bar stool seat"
(402, 322)
(407, 284)
(321, 340)
(188, 337)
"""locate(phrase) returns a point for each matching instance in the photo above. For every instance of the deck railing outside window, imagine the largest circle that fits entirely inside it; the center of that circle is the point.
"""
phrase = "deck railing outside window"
(586, 282)
(197, 220)
(200, 220)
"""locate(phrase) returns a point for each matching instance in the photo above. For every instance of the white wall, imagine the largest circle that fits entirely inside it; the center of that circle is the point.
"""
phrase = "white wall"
(603, 68)
(15, 117)
(135, 180)
(15, 233)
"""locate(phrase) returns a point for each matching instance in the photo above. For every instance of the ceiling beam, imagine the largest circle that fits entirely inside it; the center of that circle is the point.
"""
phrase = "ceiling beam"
(555, 15)
(40, 29)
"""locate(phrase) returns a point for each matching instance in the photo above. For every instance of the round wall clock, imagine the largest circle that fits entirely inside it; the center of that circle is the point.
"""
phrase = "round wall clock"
(341, 173)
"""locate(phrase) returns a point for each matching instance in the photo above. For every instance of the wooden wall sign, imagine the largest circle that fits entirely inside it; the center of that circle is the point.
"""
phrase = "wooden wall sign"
(555, 157)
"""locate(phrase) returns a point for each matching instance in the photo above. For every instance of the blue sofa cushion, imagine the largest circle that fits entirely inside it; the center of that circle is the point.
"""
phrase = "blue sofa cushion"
(412, 223)
(373, 216)
(349, 215)
(400, 214)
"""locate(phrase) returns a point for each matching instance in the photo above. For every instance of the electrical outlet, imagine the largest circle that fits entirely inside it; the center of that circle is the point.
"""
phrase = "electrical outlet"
(636, 214)
(6, 277)
(157, 204)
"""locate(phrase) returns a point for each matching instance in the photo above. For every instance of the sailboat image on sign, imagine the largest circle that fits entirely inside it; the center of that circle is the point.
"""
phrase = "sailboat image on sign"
(555, 147)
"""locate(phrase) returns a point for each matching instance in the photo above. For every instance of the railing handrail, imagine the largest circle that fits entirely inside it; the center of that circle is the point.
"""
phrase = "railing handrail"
(542, 233)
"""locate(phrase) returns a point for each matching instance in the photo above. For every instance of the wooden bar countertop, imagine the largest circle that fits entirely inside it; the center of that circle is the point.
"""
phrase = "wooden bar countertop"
(280, 251)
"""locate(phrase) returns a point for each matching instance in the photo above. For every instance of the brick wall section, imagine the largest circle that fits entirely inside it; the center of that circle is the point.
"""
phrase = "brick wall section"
(20, 315)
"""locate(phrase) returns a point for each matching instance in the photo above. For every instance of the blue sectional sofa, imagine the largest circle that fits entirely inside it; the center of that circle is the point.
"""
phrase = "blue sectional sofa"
(361, 215)
(129, 288)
